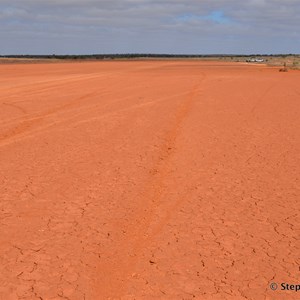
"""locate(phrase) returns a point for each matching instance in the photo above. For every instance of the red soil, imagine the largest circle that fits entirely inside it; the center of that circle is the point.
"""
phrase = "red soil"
(148, 180)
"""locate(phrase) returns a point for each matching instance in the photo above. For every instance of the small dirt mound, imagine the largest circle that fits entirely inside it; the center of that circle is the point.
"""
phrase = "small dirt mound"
(284, 69)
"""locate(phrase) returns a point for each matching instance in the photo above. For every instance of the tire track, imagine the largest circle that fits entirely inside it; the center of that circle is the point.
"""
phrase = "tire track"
(145, 214)
(49, 85)
(17, 107)
(39, 130)
(31, 124)
(28, 124)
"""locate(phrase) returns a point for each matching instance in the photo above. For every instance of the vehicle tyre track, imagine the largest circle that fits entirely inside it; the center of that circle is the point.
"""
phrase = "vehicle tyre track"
(140, 229)
(28, 124)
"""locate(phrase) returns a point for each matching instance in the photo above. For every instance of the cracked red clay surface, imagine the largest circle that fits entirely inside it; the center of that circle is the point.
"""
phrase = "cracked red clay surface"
(148, 180)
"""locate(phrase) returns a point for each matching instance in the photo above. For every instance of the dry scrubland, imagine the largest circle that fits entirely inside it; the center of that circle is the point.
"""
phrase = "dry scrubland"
(148, 180)
(292, 61)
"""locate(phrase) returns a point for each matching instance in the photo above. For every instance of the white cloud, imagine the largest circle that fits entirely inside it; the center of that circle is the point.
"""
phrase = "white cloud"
(149, 26)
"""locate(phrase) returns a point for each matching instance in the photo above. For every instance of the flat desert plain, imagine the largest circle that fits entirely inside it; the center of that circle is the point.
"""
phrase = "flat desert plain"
(149, 180)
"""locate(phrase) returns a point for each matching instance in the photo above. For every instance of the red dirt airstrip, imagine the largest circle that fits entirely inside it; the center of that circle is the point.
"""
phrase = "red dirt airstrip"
(148, 180)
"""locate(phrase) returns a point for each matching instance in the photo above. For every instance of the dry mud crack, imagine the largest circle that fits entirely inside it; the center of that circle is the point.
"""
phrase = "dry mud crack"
(148, 180)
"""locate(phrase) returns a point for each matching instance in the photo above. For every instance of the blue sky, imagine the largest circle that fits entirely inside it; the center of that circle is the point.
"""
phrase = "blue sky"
(149, 26)
(215, 16)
